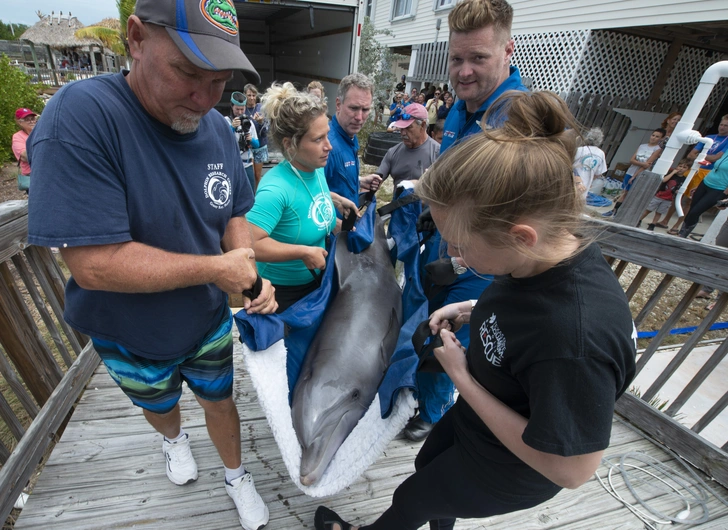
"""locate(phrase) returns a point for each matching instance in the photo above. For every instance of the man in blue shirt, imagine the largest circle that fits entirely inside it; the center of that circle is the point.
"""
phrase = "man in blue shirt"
(480, 54)
(353, 105)
(147, 205)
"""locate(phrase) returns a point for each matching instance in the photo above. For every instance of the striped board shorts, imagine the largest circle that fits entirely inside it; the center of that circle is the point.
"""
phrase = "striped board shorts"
(156, 385)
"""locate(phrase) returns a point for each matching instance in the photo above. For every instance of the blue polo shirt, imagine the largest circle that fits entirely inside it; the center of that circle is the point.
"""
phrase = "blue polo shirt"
(458, 126)
(720, 145)
(342, 168)
(467, 286)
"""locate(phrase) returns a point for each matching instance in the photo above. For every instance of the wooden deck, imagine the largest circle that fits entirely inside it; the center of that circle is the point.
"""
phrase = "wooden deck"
(107, 471)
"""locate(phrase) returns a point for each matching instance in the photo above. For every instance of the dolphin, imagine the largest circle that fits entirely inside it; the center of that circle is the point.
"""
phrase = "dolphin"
(349, 354)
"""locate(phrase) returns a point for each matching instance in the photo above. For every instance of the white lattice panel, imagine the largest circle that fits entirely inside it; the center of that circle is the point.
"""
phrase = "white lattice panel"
(550, 60)
(690, 66)
(620, 65)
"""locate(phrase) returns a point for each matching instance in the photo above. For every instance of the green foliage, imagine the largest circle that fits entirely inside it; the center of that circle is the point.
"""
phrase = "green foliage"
(6, 33)
(375, 60)
(15, 91)
(111, 38)
(126, 9)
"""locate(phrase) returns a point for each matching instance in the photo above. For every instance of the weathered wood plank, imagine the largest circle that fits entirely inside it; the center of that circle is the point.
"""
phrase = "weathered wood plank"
(684, 258)
(74, 491)
(713, 413)
(698, 380)
(10, 419)
(14, 383)
(13, 227)
(654, 299)
(620, 268)
(20, 340)
(56, 301)
(696, 450)
(4, 453)
(21, 464)
(50, 324)
(636, 282)
(674, 317)
(680, 357)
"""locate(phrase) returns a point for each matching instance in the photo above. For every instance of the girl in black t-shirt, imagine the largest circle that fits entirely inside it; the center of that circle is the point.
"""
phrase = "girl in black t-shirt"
(545, 366)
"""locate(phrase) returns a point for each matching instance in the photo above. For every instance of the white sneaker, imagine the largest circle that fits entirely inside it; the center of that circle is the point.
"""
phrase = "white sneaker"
(252, 511)
(181, 465)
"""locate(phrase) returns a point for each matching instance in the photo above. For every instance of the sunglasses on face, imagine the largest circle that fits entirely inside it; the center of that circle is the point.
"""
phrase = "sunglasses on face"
(437, 93)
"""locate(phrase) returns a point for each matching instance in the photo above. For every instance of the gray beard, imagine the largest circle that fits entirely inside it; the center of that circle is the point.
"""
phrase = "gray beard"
(187, 123)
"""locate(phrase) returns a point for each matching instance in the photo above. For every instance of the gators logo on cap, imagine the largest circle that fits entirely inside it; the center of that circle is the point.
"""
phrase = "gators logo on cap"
(221, 14)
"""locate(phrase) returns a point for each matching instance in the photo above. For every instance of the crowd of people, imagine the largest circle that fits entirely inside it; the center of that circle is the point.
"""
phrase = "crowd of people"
(182, 215)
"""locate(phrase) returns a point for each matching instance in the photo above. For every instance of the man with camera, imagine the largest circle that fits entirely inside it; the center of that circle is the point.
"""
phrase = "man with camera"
(245, 134)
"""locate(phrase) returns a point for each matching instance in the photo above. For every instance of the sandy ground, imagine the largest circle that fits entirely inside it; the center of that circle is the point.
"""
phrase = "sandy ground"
(9, 184)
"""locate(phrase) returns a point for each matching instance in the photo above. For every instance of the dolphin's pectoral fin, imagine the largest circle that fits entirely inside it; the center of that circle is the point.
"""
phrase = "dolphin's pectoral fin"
(386, 348)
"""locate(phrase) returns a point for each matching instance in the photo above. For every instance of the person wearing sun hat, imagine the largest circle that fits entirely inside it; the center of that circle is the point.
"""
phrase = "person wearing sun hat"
(139, 182)
(25, 119)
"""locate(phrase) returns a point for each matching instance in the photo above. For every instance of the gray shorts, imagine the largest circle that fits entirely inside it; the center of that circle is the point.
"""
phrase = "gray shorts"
(658, 205)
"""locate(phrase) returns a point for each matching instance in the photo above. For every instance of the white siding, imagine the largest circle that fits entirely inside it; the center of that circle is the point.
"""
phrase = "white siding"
(542, 16)
(416, 30)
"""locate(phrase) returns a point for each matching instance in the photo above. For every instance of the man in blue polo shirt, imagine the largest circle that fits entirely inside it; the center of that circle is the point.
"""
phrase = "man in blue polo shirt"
(353, 105)
(147, 205)
(480, 54)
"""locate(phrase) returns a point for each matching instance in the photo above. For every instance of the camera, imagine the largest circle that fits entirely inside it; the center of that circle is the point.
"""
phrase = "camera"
(243, 129)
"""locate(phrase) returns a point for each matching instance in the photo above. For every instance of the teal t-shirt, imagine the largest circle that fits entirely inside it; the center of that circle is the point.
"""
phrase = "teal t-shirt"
(718, 177)
(292, 210)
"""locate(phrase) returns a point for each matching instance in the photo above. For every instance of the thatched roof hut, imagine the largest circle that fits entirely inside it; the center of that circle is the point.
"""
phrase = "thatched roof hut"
(57, 32)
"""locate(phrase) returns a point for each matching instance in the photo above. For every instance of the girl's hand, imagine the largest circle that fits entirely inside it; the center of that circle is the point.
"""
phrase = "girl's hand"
(451, 317)
(451, 355)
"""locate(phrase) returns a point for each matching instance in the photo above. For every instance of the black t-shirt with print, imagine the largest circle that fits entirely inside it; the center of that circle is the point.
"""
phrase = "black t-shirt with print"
(559, 349)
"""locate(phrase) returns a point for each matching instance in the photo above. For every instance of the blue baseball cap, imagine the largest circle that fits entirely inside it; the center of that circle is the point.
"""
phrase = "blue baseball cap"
(205, 31)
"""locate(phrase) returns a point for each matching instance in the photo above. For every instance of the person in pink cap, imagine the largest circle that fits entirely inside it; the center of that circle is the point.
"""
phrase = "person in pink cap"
(25, 118)
(417, 152)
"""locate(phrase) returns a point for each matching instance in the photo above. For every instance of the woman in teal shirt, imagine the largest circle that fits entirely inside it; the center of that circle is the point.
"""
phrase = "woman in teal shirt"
(294, 209)
(714, 188)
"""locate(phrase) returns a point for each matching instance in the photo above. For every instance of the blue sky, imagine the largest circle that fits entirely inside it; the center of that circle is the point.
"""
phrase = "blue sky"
(87, 11)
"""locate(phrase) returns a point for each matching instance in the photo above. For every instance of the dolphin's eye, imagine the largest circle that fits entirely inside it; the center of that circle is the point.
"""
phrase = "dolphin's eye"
(355, 394)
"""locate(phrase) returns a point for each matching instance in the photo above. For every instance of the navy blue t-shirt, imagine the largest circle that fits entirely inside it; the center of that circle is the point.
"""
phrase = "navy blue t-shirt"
(106, 172)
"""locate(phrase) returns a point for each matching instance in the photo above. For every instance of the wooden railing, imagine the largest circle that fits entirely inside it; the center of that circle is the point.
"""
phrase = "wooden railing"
(675, 267)
(44, 364)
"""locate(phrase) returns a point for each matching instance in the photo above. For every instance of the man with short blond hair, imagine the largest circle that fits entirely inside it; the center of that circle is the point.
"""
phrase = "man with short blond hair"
(480, 54)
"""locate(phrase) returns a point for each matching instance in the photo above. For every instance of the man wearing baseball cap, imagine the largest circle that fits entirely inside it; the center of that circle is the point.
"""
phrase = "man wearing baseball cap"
(25, 119)
(416, 153)
(139, 182)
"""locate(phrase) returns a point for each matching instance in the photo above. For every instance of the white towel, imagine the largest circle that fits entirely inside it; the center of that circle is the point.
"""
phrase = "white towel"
(267, 370)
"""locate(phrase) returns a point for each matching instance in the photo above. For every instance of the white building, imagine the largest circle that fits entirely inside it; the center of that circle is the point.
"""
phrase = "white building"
(645, 55)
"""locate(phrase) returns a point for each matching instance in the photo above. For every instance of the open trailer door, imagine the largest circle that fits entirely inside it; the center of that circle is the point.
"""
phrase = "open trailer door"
(299, 41)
